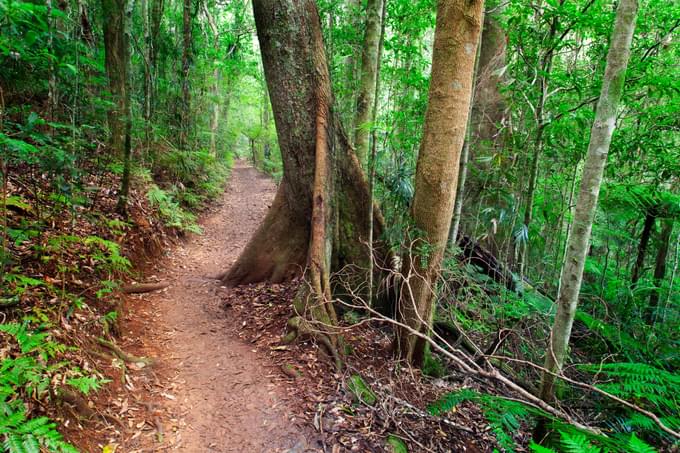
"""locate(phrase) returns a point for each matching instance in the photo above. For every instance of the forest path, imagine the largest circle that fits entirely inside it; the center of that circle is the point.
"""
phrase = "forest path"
(217, 394)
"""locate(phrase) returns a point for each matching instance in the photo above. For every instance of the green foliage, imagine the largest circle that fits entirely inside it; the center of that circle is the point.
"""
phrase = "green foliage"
(171, 211)
(30, 372)
(361, 391)
(650, 387)
(504, 416)
(396, 444)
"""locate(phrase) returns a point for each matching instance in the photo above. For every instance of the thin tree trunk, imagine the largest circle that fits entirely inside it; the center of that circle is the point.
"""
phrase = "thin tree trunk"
(52, 101)
(659, 270)
(543, 79)
(371, 162)
(215, 117)
(369, 71)
(650, 220)
(127, 109)
(586, 205)
(148, 81)
(185, 115)
(459, 23)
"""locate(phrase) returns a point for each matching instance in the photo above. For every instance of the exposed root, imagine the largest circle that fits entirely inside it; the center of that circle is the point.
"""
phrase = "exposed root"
(122, 355)
(141, 288)
(298, 328)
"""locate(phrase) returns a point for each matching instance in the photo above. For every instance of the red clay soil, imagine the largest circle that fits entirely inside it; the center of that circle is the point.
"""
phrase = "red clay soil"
(208, 391)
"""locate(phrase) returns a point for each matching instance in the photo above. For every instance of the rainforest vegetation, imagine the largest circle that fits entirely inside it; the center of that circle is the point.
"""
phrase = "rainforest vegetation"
(495, 184)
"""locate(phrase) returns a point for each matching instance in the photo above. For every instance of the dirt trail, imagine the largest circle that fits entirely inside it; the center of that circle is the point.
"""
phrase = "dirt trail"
(217, 394)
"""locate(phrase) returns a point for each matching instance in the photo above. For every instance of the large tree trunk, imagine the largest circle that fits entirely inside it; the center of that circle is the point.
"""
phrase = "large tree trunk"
(293, 57)
(369, 72)
(115, 61)
(586, 205)
(459, 23)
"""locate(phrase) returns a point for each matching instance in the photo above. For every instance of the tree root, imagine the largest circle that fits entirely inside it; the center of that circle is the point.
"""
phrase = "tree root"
(141, 288)
(298, 327)
(122, 355)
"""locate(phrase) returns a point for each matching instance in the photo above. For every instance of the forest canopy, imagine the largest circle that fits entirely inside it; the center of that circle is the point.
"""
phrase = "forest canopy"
(495, 183)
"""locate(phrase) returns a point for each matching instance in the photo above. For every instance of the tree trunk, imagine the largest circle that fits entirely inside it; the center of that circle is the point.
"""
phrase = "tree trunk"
(369, 71)
(586, 205)
(215, 90)
(486, 118)
(293, 57)
(459, 23)
(186, 66)
(659, 270)
(544, 70)
(650, 220)
(115, 61)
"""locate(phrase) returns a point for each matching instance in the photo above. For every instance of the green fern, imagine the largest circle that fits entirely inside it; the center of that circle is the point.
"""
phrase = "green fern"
(504, 416)
(575, 442)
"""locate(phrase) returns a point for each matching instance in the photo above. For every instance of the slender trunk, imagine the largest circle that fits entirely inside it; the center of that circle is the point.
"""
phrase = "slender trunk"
(659, 270)
(52, 101)
(459, 23)
(185, 115)
(374, 149)
(650, 220)
(544, 70)
(586, 205)
(215, 117)
(369, 71)
(148, 81)
(127, 118)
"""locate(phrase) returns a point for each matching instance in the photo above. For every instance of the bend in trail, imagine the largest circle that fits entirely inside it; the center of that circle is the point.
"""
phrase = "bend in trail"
(217, 394)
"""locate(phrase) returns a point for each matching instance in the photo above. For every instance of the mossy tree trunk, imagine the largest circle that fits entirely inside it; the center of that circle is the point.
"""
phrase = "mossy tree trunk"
(115, 62)
(459, 23)
(586, 204)
(116, 15)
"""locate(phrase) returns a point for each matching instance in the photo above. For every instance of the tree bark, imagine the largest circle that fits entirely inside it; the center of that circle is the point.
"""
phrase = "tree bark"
(650, 220)
(293, 57)
(659, 269)
(586, 205)
(369, 72)
(486, 118)
(459, 23)
(186, 67)
(215, 114)
(115, 61)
